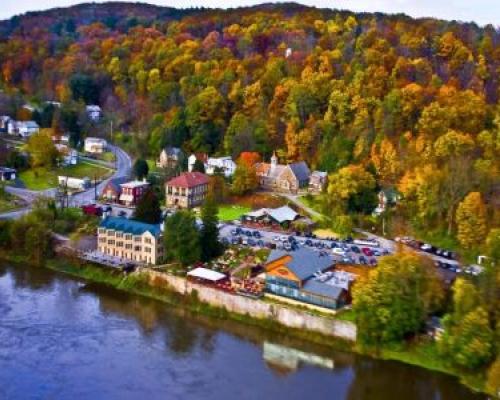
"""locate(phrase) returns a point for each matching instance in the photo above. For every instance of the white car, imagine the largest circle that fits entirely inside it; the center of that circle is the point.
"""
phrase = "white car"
(276, 238)
(284, 238)
(339, 251)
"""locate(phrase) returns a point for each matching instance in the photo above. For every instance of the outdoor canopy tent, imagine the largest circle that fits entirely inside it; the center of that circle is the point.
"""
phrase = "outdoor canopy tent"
(207, 274)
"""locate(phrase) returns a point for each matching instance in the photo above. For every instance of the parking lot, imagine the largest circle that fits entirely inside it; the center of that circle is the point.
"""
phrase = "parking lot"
(342, 251)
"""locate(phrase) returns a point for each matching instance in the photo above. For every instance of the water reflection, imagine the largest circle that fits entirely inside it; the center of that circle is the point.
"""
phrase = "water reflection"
(64, 339)
(286, 359)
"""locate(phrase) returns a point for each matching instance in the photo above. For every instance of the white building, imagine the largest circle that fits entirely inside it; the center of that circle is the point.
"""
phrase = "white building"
(224, 164)
(95, 145)
(4, 123)
(24, 128)
(74, 183)
(68, 156)
(94, 112)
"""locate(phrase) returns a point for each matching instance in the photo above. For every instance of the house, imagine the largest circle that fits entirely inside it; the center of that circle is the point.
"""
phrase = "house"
(202, 157)
(4, 123)
(317, 181)
(186, 190)
(224, 164)
(131, 192)
(94, 112)
(7, 174)
(304, 275)
(282, 216)
(130, 240)
(387, 197)
(95, 145)
(283, 178)
(22, 128)
(112, 191)
(69, 156)
(74, 183)
(170, 157)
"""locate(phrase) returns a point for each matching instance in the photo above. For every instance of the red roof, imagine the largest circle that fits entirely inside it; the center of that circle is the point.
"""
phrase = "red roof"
(189, 180)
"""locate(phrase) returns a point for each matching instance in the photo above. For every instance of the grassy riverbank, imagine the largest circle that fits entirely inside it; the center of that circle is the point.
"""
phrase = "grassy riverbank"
(422, 354)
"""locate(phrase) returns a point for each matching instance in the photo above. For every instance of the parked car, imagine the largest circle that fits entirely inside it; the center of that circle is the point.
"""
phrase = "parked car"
(339, 251)
(235, 240)
(260, 243)
(276, 238)
(372, 261)
(362, 260)
(234, 232)
(355, 249)
(367, 252)
(252, 242)
(256, 234)
(309, 242)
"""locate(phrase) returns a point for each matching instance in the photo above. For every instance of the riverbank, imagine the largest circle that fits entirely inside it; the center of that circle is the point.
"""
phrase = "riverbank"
(421, 354)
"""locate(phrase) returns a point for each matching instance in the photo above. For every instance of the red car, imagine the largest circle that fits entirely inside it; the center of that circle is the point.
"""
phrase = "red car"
(92, 209)
(367, 252)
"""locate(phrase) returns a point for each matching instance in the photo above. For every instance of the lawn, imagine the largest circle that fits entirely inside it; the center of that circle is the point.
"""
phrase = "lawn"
(232, 212)
(42, 178)
(8, 202)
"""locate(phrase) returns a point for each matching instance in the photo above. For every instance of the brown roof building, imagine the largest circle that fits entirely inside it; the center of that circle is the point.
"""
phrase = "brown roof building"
(283, 178)
(186, 190)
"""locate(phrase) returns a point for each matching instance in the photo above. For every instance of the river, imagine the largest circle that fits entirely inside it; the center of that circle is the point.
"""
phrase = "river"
(63, 339)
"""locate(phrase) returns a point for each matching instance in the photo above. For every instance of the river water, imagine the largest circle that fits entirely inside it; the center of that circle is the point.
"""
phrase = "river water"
(63, 339)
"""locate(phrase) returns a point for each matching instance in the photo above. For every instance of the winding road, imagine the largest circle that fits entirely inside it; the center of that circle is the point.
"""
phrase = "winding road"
(123, 167)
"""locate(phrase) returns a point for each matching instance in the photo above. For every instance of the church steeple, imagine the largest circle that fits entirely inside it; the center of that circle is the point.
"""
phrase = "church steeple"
(274, 160)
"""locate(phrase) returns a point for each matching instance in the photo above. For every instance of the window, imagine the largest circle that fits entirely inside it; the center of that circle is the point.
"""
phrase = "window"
(147, 240)
(119, 234)
(147, 249)
(128, 236)
(102, 231)
(128, 246)
(137, 238)
(111, 233)
(119, 244)
(111, 242)
(137, 248)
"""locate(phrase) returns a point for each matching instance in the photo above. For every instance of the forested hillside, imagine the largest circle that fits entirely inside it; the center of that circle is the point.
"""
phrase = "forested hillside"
(412, 103)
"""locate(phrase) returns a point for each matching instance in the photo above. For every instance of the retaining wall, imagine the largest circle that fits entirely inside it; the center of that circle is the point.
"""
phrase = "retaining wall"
(256, 308)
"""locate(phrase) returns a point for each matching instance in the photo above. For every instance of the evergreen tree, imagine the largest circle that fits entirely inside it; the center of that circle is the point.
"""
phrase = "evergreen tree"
(209, 234)
(181, 238)
(141, 169)
(148, 208)
(199, 166)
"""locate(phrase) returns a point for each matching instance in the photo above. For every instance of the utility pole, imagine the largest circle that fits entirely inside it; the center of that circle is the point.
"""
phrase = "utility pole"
(95, 188)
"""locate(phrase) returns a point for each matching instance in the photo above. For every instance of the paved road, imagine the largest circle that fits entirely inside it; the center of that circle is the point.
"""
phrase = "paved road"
(123, 167)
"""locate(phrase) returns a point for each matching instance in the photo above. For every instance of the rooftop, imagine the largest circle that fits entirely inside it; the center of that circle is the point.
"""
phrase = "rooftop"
(188, 180)
(323, 289)
(130, 226)
(304, 263)
(134, 184)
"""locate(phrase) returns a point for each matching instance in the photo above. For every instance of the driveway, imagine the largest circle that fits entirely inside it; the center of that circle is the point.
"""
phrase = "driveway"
(123, 168)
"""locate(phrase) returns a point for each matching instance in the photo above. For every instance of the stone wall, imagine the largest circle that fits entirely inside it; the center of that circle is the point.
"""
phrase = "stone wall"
(258, 309)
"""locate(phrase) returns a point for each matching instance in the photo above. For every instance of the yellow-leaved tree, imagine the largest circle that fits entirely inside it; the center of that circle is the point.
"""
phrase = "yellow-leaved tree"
(471, 221)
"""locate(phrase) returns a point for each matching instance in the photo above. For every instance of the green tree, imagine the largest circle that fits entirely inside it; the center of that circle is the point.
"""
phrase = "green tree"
(182, 239)
(41, 149)
(141, 169)
(395, 299)
(199, 166)
(468, 342)
(244, 179)
(148, 208)
(209, 233)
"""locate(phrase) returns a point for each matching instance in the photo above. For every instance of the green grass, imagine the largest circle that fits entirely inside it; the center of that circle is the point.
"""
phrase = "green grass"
(7, 202)
(232, 212)
(42, 178)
